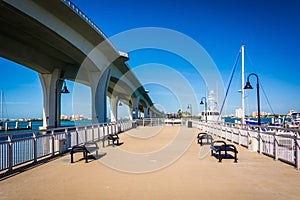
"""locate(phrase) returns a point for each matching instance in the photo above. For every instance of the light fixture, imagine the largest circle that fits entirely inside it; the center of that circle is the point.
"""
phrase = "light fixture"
(205, 107)
(63, 91)
(248, 86)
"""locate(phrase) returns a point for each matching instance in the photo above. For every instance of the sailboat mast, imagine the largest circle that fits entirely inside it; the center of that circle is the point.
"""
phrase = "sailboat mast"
(243, 83)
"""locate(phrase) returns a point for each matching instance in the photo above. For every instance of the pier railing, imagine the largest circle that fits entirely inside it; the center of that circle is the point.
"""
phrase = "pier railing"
(25, 148)
(280, 143)
(150, 122)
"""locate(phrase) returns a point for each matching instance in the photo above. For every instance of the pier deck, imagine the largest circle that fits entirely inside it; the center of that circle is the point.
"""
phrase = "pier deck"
(194, 175)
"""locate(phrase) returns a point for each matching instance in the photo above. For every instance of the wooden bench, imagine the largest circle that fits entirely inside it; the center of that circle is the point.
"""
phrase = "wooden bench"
(114, 138)
(220, 146)
(86, 149)
(203, 136)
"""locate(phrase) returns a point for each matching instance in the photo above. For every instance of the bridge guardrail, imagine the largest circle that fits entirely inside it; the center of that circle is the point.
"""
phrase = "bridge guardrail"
(22, 148)
(280, 143)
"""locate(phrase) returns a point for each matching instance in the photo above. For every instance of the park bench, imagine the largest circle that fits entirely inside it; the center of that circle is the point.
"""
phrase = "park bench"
(114, 138)
(204, 136)
(220, 146)
(86, 149)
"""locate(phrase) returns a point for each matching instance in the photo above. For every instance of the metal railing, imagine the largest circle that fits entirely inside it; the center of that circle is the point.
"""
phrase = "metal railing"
(280, 143)
(21, 148)
(73, 7)
(150, 122)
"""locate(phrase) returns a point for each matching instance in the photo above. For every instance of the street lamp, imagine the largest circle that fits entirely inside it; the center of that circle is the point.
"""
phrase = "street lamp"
(248, 86)
(190, 107)
(205, 107)
(63, 91)
(120, 103)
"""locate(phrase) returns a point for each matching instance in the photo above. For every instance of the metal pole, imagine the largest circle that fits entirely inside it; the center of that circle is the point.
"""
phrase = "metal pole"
(55, 120)
(258, 103)
(205, 111)
(243, 83)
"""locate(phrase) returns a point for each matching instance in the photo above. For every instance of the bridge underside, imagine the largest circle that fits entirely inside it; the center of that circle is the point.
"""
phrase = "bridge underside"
(52, 39)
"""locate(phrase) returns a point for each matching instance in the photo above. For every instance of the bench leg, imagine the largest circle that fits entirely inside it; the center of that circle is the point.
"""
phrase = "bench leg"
(235, 157)
(72, 157)
(220, 156)
(85, 156)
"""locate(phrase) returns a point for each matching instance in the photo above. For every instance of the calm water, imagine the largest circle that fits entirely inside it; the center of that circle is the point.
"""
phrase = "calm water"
(263, 120)
(37, 124)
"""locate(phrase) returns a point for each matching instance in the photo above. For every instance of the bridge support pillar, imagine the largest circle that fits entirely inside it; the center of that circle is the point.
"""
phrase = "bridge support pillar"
(146, 112)
(134, 110)
(49, 84)
(99, 85)
(114, 108)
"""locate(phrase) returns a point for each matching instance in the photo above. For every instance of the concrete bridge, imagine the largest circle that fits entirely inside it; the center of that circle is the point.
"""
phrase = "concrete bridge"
(60, 42)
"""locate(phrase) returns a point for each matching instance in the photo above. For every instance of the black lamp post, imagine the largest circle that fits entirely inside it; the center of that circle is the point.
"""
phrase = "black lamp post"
(63, 91)
(205, 107)
(190, 107)
(248, 86)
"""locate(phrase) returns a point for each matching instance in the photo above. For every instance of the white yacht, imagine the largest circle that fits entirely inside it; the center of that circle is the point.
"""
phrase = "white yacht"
(173, 119)
(295, 120)
(212, 112)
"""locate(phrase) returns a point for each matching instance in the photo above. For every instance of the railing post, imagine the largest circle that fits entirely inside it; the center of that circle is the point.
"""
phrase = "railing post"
(34, 148)
(10, 153)
(93, 137)
(98, 127)
(260, 142)
(77, 136)
(275, 147)
(103, 135)
(239, 138)
(67, 138)
(297, 146)
(85, 134)
(53, 147)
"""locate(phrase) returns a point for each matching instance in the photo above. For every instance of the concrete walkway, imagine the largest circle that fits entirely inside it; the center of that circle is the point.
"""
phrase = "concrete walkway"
(138, 170)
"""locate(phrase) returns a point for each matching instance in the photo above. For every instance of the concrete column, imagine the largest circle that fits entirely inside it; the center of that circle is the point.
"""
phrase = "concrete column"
(150, 113)
(134, 110)
(94, 78)
(114, 108)
(99, 85)
(48, 82)
(146, 112)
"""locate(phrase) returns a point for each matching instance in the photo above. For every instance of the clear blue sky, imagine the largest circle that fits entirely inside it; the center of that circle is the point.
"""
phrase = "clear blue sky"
(269, 29)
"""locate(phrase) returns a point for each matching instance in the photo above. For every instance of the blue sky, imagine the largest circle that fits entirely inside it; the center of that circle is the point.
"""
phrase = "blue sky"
(269, 29)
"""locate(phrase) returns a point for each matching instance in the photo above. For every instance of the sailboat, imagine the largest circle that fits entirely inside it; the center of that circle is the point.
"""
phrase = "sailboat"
(4, 124)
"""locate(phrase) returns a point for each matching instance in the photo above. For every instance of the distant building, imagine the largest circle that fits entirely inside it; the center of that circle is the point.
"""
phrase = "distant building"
(255, 114)
(77, 117)
(239, 113)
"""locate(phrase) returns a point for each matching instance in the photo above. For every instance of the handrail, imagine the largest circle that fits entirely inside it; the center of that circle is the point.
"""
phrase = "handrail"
(36, 145)
(280, 143)
(73, 7)
(81, 14)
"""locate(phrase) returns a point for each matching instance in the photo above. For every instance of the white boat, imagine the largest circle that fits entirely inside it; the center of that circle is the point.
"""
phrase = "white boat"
(173, 119)
(295, 120)
(212, 113)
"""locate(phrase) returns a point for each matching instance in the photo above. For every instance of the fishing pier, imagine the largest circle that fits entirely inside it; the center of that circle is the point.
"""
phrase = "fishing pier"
(141, 160)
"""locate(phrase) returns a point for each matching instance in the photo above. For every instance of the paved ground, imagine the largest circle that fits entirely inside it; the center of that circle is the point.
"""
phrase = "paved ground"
(157, 163)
